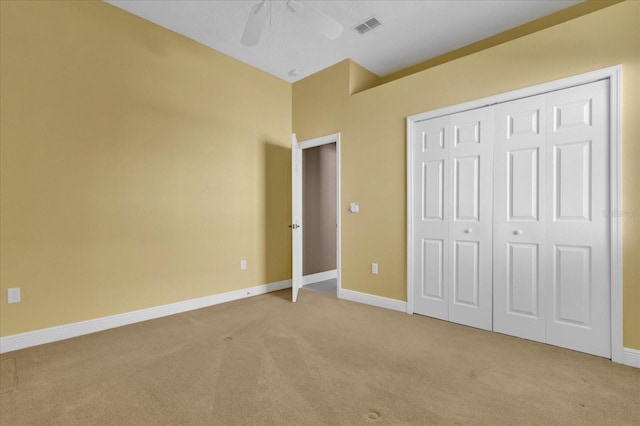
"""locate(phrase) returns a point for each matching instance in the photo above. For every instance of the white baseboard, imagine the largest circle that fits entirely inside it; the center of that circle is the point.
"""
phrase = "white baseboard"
(67, 331)
(320, 276)
(631, 357)
(370, 299)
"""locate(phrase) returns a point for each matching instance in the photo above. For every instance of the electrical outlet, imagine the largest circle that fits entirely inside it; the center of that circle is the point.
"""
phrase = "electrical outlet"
(374, 268)
(243, 264)
(13, 295)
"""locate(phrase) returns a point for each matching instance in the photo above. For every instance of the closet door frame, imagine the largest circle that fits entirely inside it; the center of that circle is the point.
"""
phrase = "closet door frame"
(614, 76)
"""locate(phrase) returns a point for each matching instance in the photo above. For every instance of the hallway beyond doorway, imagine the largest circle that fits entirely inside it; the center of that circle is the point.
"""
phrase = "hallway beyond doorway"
(329, 287)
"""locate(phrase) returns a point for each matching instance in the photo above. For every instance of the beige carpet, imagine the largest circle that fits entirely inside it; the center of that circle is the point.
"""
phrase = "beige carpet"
(266, 361)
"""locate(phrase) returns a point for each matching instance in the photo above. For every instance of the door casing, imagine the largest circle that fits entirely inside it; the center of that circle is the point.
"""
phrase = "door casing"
(312, 143)
(614, 75)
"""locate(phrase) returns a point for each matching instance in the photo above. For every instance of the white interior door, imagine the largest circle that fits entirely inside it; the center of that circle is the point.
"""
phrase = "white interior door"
(519, 228)
(296, 218)
(578, 230)
(471, 224)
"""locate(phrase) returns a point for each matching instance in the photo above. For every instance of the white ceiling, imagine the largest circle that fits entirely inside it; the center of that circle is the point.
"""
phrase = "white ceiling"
(412, 30)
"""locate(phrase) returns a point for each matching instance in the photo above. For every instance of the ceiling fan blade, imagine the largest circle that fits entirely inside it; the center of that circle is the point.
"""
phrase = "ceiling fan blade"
(318, 20)
(255, 24)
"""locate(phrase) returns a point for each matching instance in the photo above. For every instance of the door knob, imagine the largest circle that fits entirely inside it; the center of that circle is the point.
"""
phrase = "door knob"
(294, 226)
(517, 232)
(468, 231)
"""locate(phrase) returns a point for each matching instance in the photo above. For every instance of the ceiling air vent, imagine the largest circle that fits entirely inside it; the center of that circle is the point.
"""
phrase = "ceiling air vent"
(366, 26)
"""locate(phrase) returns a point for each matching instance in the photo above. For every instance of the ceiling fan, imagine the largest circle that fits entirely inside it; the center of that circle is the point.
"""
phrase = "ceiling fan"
(312, 17)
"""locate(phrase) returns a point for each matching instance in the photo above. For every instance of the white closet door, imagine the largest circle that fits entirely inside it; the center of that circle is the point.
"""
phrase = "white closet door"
(452, 218)
(471, 223)
(511, 228)
(577, 248)
(431, 141)
(519, 228)
(551, 231)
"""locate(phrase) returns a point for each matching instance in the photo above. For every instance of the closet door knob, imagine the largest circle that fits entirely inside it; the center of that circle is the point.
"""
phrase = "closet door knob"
(468, 231)
(517, 232)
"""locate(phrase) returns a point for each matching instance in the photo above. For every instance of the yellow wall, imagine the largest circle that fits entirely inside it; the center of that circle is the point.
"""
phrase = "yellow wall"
(138, 167)
(372, 123)
(321, 105)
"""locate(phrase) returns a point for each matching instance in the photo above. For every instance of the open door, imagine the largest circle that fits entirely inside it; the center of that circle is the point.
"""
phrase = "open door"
(296, 217)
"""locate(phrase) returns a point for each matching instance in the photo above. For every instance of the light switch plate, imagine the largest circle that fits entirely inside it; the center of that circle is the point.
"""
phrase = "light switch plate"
(354, 207)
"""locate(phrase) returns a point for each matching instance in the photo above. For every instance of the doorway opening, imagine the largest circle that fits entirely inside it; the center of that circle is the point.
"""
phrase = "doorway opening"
(319, 214)
(316, 253)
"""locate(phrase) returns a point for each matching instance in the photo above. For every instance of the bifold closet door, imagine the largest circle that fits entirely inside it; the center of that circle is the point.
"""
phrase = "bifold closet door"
(471, 221)
(452, 218)
(577, 255)
(431, 212)
(519, 307)
(551, 231)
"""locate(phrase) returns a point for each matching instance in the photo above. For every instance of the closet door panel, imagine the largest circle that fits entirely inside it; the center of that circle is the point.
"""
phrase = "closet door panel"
(523, 186)
(572, 181)
(519, 154)
(577, 246)
(466, 188)
(431, 200)
(466, 279)
(523, 282)
(470, 229)
(432, 285)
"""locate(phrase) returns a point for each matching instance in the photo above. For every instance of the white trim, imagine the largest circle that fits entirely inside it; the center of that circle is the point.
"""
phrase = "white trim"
(67, 331)
(312, 143)
(322, 140)
(614, 74)
(373, 300)
(320, 276)
(410, 123)
(631, 357)
(338, 218)
(615, 199)
(297, 246)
